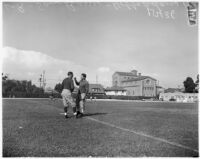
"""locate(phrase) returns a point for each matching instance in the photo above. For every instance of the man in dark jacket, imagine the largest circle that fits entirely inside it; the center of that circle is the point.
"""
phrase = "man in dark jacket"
(81, 96)
(68, 87)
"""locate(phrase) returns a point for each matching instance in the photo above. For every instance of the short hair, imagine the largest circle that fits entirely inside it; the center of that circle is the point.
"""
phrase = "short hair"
(84, 75)
(70, 73)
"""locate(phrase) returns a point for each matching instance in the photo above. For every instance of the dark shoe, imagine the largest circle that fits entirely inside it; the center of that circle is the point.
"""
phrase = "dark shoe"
(81, 115)
(78, 114)
(66, 116)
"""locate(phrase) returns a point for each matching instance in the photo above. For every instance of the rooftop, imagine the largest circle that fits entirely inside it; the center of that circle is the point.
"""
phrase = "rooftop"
(173, 90)
(115, 88)
(126, 74)
(98, 86)
(138, 79)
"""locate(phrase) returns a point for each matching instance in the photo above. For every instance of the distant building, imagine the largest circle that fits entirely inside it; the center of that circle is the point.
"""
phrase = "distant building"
(159, 90)
(115, 90)
(173, 90)
(179, 97)
(135, 83)
(96, 89)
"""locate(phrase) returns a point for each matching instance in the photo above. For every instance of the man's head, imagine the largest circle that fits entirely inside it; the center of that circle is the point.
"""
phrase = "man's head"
(83, 76)
(70, 74)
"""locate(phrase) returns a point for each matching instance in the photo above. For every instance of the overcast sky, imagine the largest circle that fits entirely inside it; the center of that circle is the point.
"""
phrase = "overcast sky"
(98, 40)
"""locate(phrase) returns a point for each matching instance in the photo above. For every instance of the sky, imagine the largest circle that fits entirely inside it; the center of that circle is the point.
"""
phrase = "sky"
(99, 39)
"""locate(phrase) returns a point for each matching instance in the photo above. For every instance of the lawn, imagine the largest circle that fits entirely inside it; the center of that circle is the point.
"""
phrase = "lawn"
(37, 128)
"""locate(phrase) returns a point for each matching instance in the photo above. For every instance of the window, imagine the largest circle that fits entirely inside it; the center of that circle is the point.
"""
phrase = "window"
(148, 81)
(96, 89)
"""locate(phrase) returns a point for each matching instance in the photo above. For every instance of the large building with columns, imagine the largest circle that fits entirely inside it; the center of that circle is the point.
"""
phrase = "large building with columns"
(135, 83)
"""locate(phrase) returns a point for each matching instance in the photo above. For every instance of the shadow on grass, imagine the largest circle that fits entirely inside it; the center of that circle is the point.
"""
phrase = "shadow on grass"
(93, 114)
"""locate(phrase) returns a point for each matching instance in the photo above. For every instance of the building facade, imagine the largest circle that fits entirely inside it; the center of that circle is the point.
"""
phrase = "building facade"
(135, 84)
(159, 90)
(96, 89)
(179, 97)
(115, 90)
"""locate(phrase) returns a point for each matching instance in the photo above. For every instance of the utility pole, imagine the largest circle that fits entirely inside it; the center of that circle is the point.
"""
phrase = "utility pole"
(40, 80)
(43, 80)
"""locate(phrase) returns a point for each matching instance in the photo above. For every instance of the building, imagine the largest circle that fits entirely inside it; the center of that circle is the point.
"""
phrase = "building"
(135, 83)
(96, 89)
(115, 90)
(159, 90)
(173, 90)
(179, 97)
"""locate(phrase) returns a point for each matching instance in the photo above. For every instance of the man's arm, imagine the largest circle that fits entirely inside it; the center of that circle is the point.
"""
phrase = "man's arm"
(62, 85)
(87, 88)
(72, 86)
(77, 83)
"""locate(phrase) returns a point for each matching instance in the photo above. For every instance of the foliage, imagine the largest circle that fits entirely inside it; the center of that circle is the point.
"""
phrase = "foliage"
(58, 87)
(16, 88)
(197, 85)
(189, 85)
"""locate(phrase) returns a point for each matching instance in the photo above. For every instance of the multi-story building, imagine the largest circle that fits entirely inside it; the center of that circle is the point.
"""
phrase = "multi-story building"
(135, 83)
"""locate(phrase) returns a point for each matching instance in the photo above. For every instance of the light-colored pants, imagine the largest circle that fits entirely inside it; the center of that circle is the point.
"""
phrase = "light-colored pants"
(82, 103)
(67, 98)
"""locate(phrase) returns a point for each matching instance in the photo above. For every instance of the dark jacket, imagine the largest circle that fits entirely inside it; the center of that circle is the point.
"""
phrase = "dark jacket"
(83, 86)
(68, 84)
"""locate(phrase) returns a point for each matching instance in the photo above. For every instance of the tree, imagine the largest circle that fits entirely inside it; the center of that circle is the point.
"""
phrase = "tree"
(38, 91)
(18, 88)
(189, 85)
(197, 85)
(58, 87)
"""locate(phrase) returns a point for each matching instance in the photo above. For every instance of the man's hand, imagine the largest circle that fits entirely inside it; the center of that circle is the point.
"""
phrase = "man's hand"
(77, 83)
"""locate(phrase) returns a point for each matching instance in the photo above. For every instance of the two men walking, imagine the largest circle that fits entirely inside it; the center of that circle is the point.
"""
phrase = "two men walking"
(78, 106)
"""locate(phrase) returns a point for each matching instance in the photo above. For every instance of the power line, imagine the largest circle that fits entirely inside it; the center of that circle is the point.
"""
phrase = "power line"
(42, 80)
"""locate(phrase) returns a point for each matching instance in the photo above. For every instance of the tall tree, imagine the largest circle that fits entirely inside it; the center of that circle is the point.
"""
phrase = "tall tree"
(189, 85)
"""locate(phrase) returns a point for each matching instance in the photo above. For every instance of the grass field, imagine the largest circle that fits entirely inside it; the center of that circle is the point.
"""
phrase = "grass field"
(37, 128)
